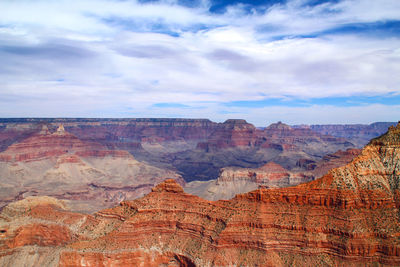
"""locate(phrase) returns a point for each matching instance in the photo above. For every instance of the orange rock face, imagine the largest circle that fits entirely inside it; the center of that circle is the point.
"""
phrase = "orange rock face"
(41, 235)
(349, 217)
(136, 258)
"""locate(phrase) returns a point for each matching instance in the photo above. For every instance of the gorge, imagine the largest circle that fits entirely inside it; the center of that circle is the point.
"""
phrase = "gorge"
(349, 216)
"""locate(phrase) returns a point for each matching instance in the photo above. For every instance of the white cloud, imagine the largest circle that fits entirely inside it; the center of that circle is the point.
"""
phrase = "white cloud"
(118, 54)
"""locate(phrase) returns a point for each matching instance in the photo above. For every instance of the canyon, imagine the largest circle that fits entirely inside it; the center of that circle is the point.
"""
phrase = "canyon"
(97, 163)
(198, 148)
(348, 217)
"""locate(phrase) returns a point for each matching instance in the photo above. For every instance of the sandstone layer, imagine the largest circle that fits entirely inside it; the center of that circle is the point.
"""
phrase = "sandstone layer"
(349, 217)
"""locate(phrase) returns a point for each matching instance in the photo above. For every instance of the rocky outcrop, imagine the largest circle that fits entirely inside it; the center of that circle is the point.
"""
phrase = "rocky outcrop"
(349, 217)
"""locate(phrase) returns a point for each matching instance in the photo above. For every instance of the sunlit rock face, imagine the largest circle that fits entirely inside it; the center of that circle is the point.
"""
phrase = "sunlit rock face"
(349, 217)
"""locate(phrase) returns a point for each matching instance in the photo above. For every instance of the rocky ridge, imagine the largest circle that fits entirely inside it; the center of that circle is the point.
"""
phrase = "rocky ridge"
(349, 217)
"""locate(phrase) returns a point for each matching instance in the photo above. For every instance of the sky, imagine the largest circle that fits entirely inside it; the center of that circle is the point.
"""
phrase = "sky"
(296, 61)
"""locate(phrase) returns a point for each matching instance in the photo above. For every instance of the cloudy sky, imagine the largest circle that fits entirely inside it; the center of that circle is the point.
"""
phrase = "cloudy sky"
(298, 61)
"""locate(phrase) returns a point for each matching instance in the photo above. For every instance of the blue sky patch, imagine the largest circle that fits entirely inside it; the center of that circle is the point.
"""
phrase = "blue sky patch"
(220, 6)
(389, 99)
(141, 26)
(170, 105)
(381, 29)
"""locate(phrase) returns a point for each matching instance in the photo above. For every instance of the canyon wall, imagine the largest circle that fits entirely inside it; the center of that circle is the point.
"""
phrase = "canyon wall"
(360, 134)
(196, 148)
(235, 180)
(61, 165)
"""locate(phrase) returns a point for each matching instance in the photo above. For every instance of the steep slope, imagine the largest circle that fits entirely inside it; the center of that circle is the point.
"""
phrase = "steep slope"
(349, 217)
(61, 165)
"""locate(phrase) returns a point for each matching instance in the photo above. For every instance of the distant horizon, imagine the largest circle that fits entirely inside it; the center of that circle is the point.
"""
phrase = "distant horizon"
(299, 61)
(177, 118)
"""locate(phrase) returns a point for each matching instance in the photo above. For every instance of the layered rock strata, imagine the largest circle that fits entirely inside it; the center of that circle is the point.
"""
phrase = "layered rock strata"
(235, 180)
(61, 165)
(328, 162)
(349, 217)
(268, 175)
(197, 148)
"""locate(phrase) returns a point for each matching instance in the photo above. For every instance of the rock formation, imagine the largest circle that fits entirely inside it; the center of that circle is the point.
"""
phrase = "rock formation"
(196, 148)
(235, 180)
(63, 151)
(268, 175)
(349, 217)
(300, 143)
(61, 165)
(231, 133)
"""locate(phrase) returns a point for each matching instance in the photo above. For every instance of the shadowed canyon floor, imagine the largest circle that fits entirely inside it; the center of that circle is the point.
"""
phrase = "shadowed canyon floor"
(348, 217)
